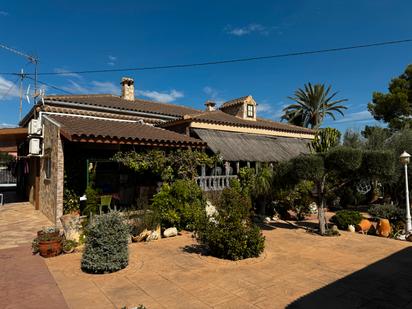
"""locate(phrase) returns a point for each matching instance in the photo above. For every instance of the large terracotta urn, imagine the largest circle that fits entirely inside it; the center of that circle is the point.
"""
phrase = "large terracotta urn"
(364, 226)
(384, 228)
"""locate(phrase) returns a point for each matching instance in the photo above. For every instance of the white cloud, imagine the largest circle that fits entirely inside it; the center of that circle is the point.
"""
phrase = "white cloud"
(248, 29)
(92, 87)
(7, 125)
(105, 87)
(213, 94)
(271, 110)
(74, 87)
(112, 60)
(4, 13)
(8, 89)
(67, 73)
(164, 97)
(363, 116)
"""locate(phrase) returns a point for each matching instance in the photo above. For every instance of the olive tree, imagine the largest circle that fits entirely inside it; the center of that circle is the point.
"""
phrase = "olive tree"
(343, 165)
(318, 168)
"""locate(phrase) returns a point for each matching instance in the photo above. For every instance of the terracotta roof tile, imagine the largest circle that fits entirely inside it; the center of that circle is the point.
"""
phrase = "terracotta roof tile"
(77, 128)
(111, 101)
(234, 102)
(219, 117)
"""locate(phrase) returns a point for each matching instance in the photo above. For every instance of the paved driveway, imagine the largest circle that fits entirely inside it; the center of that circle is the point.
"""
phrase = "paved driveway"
(25, 281)
(298, 269)
(19, 223)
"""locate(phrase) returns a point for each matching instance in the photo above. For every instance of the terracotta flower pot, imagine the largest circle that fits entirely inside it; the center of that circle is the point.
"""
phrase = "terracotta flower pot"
(49, 248)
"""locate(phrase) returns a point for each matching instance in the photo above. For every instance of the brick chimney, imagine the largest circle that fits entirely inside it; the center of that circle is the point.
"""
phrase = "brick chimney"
(210, 106)
(127, 88)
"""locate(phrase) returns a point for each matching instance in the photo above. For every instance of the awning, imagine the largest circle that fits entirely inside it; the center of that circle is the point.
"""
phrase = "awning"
(252, 147)
(10, 138)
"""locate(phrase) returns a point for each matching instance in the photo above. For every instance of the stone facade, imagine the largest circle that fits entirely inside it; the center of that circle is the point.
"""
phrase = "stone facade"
(52, 173)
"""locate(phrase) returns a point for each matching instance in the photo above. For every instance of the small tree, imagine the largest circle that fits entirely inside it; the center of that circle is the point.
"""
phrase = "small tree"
(342, 164)
(318, 167)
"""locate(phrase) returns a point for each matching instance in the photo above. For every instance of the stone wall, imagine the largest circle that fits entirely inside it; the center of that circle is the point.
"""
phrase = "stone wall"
(51, 186)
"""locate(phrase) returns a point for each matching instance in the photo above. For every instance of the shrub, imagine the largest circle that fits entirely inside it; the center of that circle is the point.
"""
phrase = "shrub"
(179, 205)
(247, 180)
(230, 234)
(106, 248)
(71, 201)
(296, 199)
(344, 218)
(387, 211)
(92, 202)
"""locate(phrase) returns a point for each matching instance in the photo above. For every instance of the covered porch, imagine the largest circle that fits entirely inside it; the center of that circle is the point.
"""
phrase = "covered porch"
(238, 150)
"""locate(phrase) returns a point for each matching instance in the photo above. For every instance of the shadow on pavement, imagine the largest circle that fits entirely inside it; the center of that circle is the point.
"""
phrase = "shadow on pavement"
(384, 284)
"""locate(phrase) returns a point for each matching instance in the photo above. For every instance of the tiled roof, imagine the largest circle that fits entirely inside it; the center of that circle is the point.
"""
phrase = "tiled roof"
(235, 101)
(93, 113)
(138, 105)
(219, 117)
(77, 128)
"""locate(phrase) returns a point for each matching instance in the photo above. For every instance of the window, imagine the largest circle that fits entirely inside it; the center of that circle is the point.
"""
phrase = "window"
(250, 111)
(47, 164)
(47, 167)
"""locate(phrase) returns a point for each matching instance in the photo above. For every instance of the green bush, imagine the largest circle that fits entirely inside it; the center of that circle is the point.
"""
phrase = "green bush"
(296, 199)
(106, 248)
(230, 234)
(179, 205)
(386, 211)
(344, 218)
(92, 202)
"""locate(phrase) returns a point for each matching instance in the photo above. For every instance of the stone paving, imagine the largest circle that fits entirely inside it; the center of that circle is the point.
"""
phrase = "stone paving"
(25, 281)
(297, 269)
(19, 223)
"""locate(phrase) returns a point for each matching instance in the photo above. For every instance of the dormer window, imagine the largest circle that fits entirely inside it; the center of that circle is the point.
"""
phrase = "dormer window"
(250, 111)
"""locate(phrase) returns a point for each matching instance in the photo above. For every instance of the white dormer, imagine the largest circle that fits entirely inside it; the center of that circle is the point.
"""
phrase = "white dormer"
(244, 108)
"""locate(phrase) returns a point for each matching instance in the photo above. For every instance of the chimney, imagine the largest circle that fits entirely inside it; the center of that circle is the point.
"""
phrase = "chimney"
(127, 88)
(210, 106)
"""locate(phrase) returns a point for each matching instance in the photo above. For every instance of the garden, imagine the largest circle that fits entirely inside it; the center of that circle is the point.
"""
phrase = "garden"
(349, 186)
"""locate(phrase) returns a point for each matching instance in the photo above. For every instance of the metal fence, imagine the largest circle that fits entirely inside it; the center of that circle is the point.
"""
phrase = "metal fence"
(6, 176)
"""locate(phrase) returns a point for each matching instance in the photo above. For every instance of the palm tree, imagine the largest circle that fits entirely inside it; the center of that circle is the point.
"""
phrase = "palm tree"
(312, 105)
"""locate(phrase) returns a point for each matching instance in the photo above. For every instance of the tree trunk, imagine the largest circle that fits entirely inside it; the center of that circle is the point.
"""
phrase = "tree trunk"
(321, 207)
(321, 215)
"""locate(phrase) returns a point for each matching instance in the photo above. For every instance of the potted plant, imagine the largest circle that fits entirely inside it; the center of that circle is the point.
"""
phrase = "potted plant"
(49, 242)
(69, 246)
(50, 231)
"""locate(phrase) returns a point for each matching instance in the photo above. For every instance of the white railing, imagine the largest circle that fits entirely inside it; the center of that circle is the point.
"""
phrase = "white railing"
(214, 183)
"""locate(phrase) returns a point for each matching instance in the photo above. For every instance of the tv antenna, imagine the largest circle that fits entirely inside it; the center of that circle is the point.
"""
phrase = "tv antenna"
(33, 60)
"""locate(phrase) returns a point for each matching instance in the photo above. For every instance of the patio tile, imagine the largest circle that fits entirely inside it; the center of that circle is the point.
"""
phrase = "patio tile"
(298, 269)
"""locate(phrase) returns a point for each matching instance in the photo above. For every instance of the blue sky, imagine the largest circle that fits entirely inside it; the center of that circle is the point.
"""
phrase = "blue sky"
(82, 35)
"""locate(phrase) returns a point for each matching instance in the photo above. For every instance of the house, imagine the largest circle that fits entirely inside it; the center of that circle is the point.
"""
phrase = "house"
(240, 137)
(70, 138)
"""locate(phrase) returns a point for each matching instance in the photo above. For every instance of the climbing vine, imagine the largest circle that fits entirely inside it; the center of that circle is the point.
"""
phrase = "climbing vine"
(178, 164)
